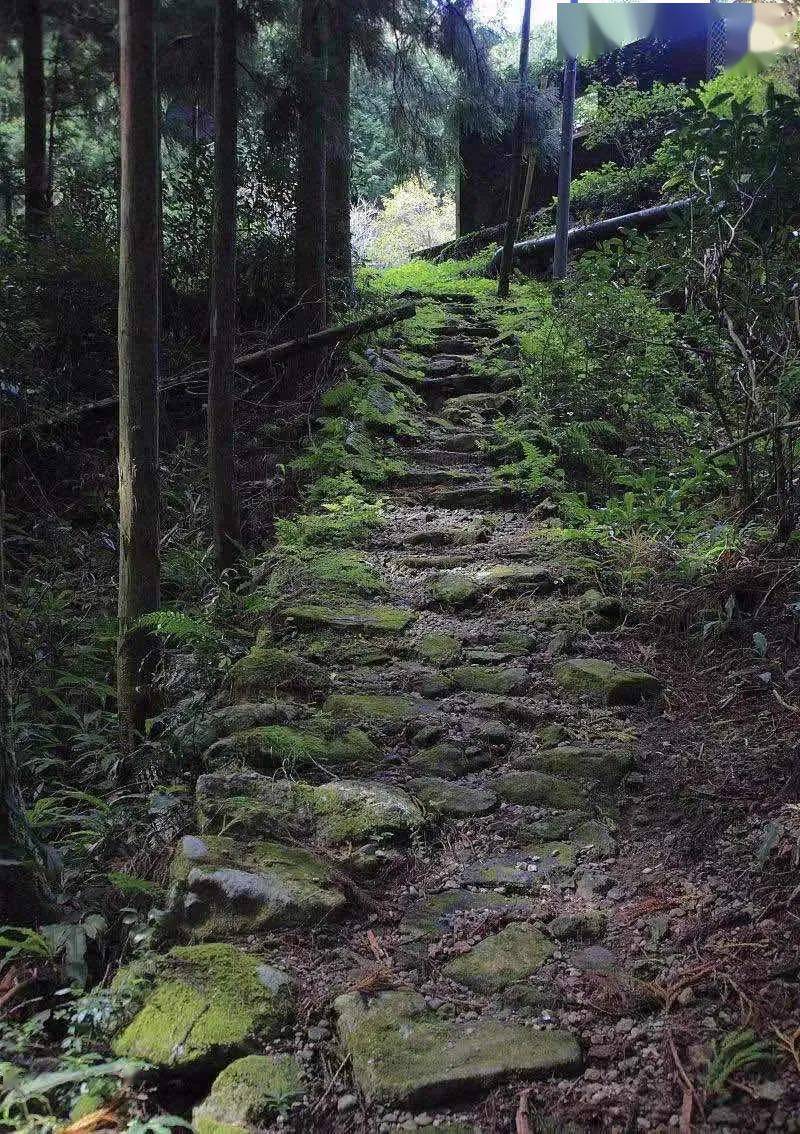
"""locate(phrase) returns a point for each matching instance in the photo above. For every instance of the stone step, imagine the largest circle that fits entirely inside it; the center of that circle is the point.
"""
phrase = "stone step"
(443, 366)
(431, 476)
(446, 457)
(469, 497)
(448, 345)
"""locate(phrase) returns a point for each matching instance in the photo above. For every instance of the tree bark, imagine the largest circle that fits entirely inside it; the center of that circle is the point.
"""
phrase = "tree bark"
(221, 459)
(309, 241)
(24, 891)
(138, 342)
(34, 103)
(337, 143)
(561, 251)
(51, 129)
(516, 157)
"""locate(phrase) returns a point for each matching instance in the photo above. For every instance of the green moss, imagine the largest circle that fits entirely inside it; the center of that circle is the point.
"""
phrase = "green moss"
(580, 763)
(381, 619)
(454, 590)
(249, 1092)
(604, 679)
(512, 955)
(439, 649)
(348, 525)
(537, 788)
(485, 679)
(451, 277)
(388, 712)
(352, 811)
(294, 749)
(266, 670)
(205, 1004)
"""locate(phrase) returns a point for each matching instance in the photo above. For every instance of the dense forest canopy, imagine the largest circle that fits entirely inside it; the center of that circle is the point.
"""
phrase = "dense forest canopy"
(399, 572)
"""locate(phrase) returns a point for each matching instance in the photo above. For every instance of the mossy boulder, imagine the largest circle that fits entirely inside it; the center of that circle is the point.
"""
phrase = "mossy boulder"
(230, 888)
(494, 497)
(505, 958)
(578, 763)
(512, 578)
(193, 732)
(455, 536)
(589, 926)
(342, 811)
(453, 590)
(266, 670)
(449, 760)
(402, 1053)
(294, 749)
(197, 1007)
(376, 712)
(377, 619)
(249, 1093)
(607, 681)
(439, 649)
(538, 788)
(485, 679)
(509, 872)
(451, 799)
(433, 915)
(356, 811)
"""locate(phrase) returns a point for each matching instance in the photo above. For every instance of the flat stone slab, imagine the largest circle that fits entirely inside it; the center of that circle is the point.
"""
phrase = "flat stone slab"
(231, 888)
(512, 872)
(514, 577)
(503, 959)
(607, 681)
(379, 619)
(197, 1007)
(539, 788)
(342, 811)
(495, 497)
(378, 712)
(453, 589)
(452, 799)
(403, 1053)
(451, 760)
(485, 679)
(576, 763)
(433, 915)
(590, 926)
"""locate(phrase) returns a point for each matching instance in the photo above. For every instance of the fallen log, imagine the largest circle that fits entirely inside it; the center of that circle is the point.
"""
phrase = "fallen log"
(277, 353)
(586, 235)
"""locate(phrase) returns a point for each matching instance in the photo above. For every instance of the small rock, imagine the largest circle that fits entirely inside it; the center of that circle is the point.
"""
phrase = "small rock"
(347, 1102)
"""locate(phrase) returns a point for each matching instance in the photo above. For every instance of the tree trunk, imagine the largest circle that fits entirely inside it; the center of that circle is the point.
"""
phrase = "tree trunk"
(33, 93)
(309, 241)
(221, 462)
(24, 893)
(561, 250)
(51, 129)
(516, 157)
(526, 192)
(138, 333)
(337, 174)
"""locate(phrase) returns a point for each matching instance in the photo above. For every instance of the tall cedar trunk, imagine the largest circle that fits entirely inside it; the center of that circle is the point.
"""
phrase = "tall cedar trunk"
(139, 564)
(561, 251)
(309, 241)
(33, 94)
(221, 464)
(24, 892)
(337, 174)
(516, 157)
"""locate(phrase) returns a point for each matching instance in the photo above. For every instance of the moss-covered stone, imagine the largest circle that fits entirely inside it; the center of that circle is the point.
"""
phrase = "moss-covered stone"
(265, 670)
(493, 497)
(485, 679)
(439, 649)
(555, 853)
(231, 888)
(538, 788)
(294, 749)
(455, 536)
(380, 619)
(509, 871)
(249, 1093)
(432, 916)
(449, 760)
(194, 732)
(553, 734)
(610, 682)
(505, 958)
(377, 712)
(403, 1053)
(578, 763)
(511, 578)
(590, 926)
(607, 612)
(451, 799)
(199, 1006)
(453, 590)
(341, 811)
(355, 811)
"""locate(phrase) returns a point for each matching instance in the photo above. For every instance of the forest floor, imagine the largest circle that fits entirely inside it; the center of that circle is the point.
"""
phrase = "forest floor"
(553, 881)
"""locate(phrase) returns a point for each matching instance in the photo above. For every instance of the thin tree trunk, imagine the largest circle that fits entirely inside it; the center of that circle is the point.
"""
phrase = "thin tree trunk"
(51, 130)
(138, 332)
(33, 92)
(526, 192)
(561, 250)
(309, 243)
(221, 462)
(337, 174)
(516, 156)
(24, 891)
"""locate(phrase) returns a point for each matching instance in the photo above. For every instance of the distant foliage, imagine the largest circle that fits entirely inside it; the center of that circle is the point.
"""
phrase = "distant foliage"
(414, 216)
